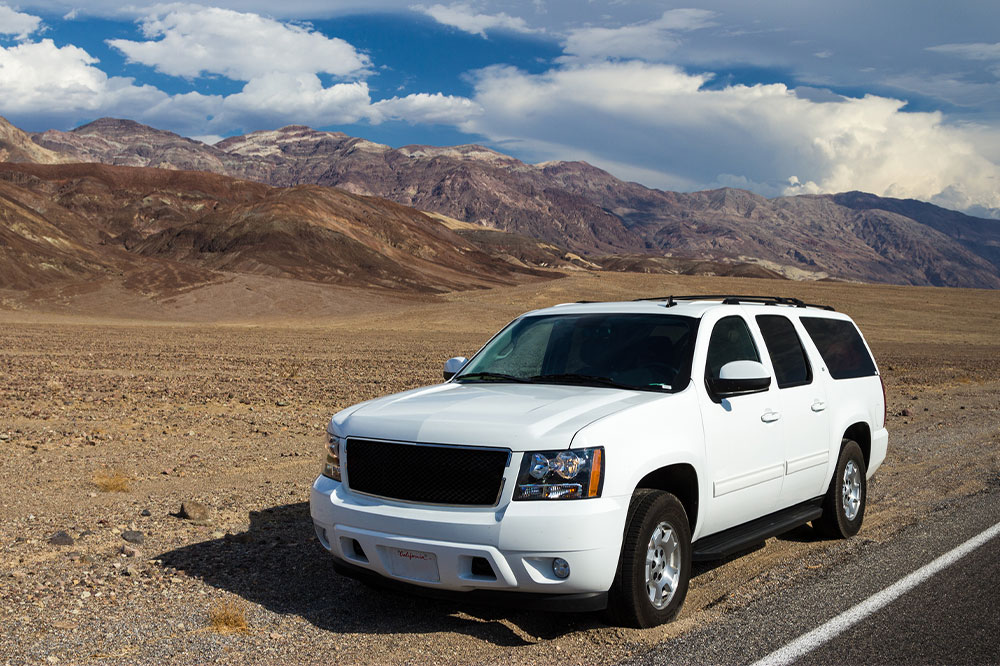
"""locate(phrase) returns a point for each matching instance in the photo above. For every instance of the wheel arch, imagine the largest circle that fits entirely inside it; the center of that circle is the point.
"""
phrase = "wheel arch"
(681, 480)
(861, 433)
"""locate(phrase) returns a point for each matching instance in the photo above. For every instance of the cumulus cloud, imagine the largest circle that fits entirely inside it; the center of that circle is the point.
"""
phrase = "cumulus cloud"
(17, 24)
(648, 40)
(62, 85)
(426, 108)
(661, 119)
(465, 18)
(193, 41)
(40, 77)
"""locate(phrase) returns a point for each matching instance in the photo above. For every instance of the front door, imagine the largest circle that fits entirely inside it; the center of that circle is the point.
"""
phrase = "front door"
(743, 437)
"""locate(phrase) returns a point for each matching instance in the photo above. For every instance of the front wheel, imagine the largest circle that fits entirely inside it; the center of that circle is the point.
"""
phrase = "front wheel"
(655, 563)
(844, 504)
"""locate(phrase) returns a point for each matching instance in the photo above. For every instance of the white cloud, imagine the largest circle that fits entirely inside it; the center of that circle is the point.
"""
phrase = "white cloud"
(659, 118)
(425, 108)
(40, 77)
(15, 23)
(277, 99)
(61, 86)
(650, 40)
(974, 51)
(192, 41)
(465, 18)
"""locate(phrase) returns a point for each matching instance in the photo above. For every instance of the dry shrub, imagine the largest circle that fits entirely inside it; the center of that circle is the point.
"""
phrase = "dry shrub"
(111, 481)
(226, 617)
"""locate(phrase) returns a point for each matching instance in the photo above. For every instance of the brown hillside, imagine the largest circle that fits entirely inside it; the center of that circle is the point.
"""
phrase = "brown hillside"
(65, 223)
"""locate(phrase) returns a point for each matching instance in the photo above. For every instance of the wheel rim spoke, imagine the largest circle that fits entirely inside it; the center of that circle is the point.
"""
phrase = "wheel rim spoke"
(662, 565)
(851, 490)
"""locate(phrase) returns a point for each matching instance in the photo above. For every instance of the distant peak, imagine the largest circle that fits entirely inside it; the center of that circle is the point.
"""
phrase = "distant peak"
(107, 122)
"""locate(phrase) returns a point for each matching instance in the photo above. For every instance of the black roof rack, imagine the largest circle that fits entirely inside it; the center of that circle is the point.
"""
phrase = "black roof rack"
(730, 299)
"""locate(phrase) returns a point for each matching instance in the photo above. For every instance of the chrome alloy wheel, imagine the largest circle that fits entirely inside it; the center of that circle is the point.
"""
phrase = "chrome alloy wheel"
(851, 490)
(663, 565)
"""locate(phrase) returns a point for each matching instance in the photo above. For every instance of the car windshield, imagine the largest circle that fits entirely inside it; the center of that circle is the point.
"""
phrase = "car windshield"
(650, 352)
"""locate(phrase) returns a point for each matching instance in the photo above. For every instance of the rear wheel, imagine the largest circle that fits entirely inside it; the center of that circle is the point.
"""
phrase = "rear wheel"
(655, 563)
(844, 504)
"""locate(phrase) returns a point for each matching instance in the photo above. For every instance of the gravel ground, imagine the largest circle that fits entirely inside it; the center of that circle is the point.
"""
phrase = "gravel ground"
(232, 416)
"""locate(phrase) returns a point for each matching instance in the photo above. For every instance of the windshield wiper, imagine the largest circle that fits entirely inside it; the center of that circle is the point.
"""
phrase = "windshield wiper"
(493, 375)
(574, 378)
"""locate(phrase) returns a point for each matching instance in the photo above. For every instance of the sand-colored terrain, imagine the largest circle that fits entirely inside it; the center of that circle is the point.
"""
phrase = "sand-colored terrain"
(229, 408)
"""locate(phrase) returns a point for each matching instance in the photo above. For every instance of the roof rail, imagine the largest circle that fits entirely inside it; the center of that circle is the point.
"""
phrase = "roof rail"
(730, 299)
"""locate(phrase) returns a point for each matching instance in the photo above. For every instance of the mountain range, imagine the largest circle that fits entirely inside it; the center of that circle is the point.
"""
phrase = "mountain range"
(586, 216)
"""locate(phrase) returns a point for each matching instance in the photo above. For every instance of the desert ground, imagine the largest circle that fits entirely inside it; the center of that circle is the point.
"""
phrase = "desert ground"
(116, 409)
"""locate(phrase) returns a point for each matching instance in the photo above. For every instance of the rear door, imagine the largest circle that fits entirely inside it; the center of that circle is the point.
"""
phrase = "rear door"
(803, 403)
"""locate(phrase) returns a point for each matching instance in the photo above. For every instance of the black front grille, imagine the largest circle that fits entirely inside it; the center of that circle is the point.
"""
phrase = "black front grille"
(426, 474)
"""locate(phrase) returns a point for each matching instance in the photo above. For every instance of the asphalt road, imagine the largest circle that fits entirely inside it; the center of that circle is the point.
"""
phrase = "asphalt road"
(951, 618)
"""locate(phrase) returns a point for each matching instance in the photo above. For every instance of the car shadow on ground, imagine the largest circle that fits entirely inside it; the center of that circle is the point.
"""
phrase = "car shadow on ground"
(279, 564)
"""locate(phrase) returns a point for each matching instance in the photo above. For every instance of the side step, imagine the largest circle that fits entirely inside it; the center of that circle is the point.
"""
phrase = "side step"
(717, 546)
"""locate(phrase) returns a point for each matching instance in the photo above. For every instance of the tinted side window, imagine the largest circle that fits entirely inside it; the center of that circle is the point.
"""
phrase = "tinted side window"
(730, 341)
(791, 367)
(841, 347)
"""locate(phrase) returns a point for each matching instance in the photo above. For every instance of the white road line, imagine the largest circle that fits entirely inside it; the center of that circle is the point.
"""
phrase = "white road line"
(826, 632)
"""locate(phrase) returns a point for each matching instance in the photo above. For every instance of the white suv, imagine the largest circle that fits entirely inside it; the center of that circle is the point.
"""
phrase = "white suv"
(589, 451)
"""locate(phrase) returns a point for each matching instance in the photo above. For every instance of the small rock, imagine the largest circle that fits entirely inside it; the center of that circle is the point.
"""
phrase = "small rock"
(85, 594)
(61, 538)
(134, 536)
(52, 659)
(195, 511)
(146, 513)
(282, 403)
(130, 551)
(4, 437)
(131, 571)
(905, 412)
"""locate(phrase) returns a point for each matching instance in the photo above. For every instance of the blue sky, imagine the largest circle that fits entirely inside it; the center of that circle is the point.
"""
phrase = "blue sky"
(899, 97)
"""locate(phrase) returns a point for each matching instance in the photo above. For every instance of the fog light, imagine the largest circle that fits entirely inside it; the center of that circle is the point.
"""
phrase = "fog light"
(560, 568)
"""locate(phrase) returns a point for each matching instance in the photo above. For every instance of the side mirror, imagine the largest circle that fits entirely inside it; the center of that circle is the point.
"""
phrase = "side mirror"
(453, 365)
(740, 378)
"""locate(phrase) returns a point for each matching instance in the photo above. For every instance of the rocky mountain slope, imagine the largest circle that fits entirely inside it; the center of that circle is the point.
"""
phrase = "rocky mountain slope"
(17, 146)
(585, 209)
(159, 229)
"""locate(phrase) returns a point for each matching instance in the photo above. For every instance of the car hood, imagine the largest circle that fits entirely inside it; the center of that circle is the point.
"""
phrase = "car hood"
(516, 416)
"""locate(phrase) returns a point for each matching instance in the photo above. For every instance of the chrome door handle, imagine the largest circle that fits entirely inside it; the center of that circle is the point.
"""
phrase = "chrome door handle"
(818, 405)
(769, 416)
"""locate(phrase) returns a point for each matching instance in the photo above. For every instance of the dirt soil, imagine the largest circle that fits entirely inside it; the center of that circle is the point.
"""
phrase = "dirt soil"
(229, 412)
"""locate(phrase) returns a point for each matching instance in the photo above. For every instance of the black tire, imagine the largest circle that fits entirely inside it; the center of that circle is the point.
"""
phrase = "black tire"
(629, 602)
(835, 522)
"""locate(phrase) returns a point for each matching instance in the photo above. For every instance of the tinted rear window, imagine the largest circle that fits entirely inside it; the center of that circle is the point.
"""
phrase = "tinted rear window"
(791, 368)
(841, 347)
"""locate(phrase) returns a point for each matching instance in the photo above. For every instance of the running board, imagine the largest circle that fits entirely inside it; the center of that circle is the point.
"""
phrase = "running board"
(720, 545)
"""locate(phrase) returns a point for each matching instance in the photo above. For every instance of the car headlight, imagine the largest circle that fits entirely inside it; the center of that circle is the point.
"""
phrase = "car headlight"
(331, 467)
(575, 474)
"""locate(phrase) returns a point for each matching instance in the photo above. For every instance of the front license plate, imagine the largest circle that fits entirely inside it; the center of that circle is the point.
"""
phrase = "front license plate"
(413, 564)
